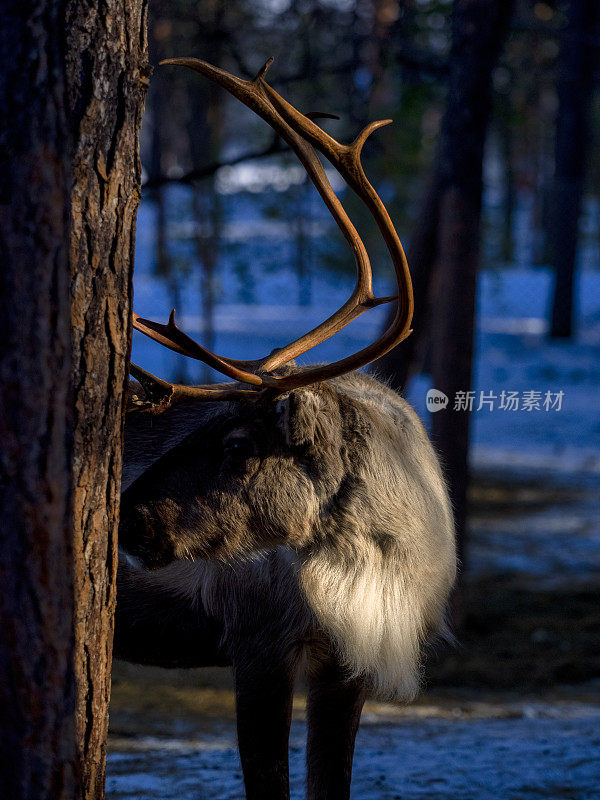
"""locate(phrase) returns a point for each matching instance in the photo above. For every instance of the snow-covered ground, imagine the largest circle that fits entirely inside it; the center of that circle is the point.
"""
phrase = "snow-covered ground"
(526, 752)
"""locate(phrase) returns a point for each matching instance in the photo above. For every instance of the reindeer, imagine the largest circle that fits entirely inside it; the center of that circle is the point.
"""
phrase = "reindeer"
(294, 518)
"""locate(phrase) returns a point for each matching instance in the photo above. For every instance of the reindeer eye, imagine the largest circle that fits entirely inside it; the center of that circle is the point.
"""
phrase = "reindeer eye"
(239, 448)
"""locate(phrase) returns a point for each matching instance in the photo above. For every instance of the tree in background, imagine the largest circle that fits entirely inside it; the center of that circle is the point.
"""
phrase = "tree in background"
(72, 92)
(478, 31)
(577, 65)
(444, 250)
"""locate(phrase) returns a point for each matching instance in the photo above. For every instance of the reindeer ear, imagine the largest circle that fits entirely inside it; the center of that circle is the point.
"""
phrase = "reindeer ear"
(305, 417)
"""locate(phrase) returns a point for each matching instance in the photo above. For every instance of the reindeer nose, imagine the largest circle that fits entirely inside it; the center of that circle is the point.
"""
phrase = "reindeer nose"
(142, 535)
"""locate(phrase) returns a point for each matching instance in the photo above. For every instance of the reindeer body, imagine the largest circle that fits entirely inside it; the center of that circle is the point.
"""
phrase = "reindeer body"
(328, 536)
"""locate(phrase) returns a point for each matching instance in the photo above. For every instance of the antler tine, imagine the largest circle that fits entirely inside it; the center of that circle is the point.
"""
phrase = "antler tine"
(161, 394)
(258, 96)
(171, 336)
(346, 159)
(303, 136)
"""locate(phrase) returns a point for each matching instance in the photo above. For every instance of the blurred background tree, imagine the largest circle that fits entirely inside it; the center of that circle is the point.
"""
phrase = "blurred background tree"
(578, 63)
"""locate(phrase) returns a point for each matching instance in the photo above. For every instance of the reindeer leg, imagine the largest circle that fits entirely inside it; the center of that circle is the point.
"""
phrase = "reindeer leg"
(333, 714)
(264, 693)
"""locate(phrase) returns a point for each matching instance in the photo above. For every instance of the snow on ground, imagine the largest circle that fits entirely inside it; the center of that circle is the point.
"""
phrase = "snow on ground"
(541, 752)
(541, 542)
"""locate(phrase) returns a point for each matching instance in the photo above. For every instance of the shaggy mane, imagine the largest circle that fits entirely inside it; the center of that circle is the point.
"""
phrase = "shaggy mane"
(379, 585)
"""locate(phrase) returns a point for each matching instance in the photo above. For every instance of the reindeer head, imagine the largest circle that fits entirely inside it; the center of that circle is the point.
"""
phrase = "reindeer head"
(240, 466)
(236, 477)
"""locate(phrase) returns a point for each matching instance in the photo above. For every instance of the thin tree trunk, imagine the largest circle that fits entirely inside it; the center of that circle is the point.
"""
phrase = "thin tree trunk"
(505, 133)
(445, 249)
(577, 62)
(107, 73)
(203, 128)
(479, 28)
(460, 142)
(400, 364)
(37, 683)
(165, 267)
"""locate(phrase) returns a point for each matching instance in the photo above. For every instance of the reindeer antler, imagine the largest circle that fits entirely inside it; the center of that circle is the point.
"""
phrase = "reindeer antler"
(304, 136)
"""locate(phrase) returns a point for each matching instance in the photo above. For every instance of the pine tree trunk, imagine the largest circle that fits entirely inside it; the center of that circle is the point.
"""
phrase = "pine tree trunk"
(37, 687)
(72, 84)
(107, 74)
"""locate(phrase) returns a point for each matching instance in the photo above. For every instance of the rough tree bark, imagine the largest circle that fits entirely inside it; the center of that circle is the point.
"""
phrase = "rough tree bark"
(445, 248)
(579, 57)
(37, 688)
(107, 74)
(72, 88)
